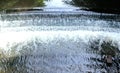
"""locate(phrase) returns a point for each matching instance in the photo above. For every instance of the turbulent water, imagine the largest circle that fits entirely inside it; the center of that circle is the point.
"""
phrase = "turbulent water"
(54, 40)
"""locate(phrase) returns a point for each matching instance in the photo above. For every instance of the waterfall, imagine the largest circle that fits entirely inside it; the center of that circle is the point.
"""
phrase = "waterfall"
(55, 41)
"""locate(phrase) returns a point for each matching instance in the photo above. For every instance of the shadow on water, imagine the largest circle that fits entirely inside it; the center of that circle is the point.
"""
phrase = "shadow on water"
(104, 48)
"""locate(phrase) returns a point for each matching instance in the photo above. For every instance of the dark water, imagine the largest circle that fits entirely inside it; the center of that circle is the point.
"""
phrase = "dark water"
(56, 40)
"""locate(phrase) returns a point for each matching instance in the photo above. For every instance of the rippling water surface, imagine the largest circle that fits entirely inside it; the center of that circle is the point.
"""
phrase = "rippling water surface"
(54, 40)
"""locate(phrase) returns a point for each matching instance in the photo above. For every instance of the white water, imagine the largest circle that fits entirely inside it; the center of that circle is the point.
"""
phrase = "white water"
(54, 42)
(56, 4)
(53, 50)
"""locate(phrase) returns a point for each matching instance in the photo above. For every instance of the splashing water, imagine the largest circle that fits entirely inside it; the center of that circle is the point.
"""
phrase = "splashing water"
(54, 42)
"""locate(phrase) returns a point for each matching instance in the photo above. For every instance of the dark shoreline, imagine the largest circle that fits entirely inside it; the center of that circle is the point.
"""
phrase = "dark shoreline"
(101, 6)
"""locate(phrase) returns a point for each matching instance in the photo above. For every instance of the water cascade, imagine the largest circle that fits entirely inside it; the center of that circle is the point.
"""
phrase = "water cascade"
(55, 41)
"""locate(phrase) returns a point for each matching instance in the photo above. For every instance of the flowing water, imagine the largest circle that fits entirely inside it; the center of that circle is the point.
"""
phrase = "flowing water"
(54, 40)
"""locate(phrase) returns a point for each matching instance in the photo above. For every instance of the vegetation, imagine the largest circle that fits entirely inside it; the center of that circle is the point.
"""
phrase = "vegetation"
(11, 4)
(14, 60)
(109, 6)
(13, 64)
